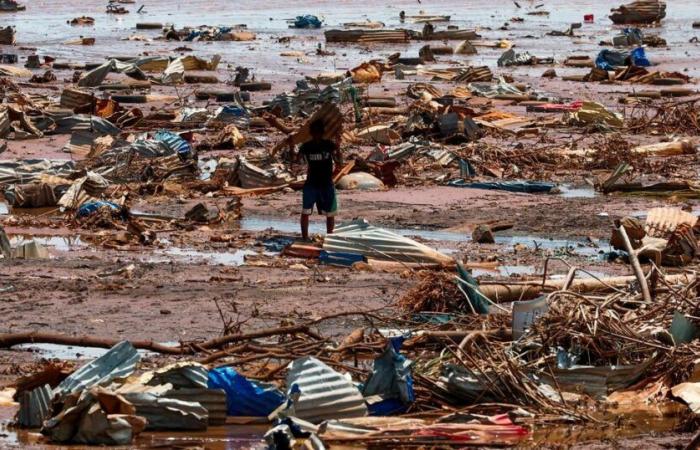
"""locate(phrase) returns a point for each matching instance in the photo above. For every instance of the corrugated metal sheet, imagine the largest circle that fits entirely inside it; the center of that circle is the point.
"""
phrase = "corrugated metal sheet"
(29, 170)
(213, 400)
(163, 413)
(465, 385)
(596, 381)
(366, 36)
(80, 143)
(251, 176)
(325, 394)
(401, 151)
(661, 222)
(119, 362)
(34, 407)
(4, 123)
(359, 237)
(73, 98)
(186, 374)
(473, 74)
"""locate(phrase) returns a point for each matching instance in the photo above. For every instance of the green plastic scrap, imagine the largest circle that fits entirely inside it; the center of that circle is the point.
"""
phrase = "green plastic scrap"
(682, 329)
(471, 287)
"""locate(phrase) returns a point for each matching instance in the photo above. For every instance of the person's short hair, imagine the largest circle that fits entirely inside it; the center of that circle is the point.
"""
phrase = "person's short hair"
(317, 127)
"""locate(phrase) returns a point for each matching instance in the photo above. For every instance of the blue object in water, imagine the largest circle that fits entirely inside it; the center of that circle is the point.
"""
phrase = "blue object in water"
(307, 21)
(174, 142)
(245, 397)
(89, 208)
(530, 187)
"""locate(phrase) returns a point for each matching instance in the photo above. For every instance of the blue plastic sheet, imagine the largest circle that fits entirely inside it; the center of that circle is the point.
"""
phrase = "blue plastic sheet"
(89, 208)
(233, 111)
(639, 58)
(392, 380)
(307, 21)
(531, 187)
(609, 59)
(175, 142)
(245, 397)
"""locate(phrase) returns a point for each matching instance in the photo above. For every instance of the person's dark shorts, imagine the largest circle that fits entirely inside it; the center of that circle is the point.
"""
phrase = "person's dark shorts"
(323, 197)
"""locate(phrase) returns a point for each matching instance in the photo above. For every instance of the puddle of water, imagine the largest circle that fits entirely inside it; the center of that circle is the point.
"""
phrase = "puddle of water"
(4, 209)
(58, 351)
(570, 191)
(60, 243)
(292, 226)
(236, 258)
(578, 247)
(63, 351)
(505, 271)
(579, 275)
(215, 438)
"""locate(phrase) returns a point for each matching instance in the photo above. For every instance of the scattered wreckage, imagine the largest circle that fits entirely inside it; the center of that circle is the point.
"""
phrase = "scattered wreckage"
(457, 360)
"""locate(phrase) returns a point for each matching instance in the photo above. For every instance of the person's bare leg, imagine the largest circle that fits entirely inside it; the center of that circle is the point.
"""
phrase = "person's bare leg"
(330, 224)
(305, 227)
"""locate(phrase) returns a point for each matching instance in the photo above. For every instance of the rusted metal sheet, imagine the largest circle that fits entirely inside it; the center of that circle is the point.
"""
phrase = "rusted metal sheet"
(473, 74)
(661, 222)
(324, 393)
(74, 98)
(367, 36)
(359, 237)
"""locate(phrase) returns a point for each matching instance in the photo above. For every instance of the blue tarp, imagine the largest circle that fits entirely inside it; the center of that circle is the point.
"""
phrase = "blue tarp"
(609, 59)
(530, 187)
(245, 397)
(89, 208)
(391, 379)
(639, 58)
(174, 142)
(307, 21)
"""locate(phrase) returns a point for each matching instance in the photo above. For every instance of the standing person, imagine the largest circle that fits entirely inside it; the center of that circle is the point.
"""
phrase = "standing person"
(319, 154)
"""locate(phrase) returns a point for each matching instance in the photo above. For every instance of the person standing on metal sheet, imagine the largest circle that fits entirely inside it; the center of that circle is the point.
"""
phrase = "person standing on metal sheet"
(319, 190)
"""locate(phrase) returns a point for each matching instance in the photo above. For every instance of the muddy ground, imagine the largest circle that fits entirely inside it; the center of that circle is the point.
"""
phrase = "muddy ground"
(187, 284)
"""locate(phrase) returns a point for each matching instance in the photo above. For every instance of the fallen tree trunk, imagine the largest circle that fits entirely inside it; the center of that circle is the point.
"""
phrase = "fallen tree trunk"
(8, 340)
(511, 292)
